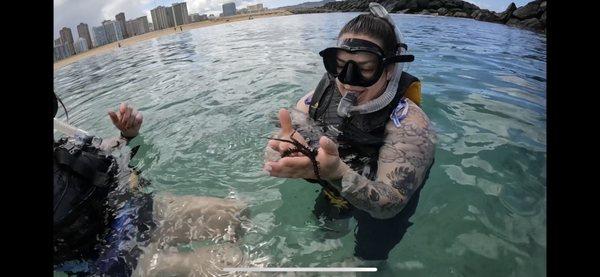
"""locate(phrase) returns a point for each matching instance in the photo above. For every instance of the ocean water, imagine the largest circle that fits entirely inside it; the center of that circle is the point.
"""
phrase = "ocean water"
(209, 97)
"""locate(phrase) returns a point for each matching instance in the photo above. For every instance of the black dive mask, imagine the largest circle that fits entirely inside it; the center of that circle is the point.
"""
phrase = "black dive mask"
(358, 62)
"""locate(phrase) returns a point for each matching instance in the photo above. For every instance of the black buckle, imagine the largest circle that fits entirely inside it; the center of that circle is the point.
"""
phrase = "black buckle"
(70, 147)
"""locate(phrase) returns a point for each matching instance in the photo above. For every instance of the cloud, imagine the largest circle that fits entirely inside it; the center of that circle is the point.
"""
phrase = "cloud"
(201, 6)
(58, 3)
(69, 13)
(131, 8)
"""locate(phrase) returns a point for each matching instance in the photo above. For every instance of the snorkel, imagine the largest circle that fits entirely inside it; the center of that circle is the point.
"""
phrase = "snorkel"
(347, 105)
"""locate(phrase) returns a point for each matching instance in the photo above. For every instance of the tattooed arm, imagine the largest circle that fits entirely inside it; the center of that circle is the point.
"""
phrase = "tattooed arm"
(404, 159)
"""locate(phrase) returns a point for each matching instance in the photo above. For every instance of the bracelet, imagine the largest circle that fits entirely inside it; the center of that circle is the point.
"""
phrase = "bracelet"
(127, 138)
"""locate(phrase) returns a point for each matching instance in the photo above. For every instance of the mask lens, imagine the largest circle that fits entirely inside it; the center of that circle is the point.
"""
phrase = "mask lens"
(368, 64)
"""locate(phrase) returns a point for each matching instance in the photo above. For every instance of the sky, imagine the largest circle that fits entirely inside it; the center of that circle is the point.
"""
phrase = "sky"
(69, 13)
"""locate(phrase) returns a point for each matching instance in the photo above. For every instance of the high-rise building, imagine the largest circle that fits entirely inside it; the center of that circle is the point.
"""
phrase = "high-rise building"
(129, 27)
(143, 23)
(60, 52)
(81, 45)
(180, 13)
(84, 32)
(120, 17)
(255, 8)
(170, 17)
(113, 30)
(150, 27)
(111, 36)
(138, 26)
(159, 18)
(66, 36)
(196, 17)
(67, 39)
(229, 9)
(99, 34)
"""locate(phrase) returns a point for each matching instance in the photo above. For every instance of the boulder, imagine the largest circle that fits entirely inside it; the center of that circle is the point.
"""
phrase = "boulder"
(461, 14)
(400, 5)
(442, 11)
(452, 4)
(469, 6)
(531, 10)
(532, 24)
(543, 18)
(506, 14)
(543, 6)
(422, 4)
(412, 6)
(435, 4)
(515, 22)
(485, 15)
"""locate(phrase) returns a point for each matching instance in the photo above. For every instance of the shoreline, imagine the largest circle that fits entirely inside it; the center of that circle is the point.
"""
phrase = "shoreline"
(164, 32)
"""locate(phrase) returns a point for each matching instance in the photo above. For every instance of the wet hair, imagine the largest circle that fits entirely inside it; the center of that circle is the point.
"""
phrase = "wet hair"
(373, 26)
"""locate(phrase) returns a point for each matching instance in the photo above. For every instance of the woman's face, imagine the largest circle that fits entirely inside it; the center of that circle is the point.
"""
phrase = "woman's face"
(365, 94)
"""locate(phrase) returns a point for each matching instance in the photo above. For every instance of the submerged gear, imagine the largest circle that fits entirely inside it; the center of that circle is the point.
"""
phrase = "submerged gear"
(83, 177)
(358, 62)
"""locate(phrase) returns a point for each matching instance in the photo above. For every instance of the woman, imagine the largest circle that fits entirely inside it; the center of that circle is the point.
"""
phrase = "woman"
(378, 144)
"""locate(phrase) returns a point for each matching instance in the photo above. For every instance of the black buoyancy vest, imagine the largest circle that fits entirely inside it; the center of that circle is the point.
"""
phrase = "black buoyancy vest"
(360, 135)
(82, 180)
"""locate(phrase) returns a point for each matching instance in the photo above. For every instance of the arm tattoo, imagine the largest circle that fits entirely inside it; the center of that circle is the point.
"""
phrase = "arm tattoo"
(403, 161)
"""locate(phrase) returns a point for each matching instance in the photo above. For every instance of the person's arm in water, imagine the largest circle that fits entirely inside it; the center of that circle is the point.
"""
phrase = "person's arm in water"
(128, 121)
(403, 162)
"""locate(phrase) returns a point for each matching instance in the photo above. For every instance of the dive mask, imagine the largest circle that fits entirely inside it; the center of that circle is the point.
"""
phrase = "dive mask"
(359, 62)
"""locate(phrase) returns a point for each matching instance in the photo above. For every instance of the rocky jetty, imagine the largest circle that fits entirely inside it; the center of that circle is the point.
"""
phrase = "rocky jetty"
(532, 16)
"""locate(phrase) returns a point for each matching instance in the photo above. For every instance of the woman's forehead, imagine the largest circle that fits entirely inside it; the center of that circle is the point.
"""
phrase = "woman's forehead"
(363, 37)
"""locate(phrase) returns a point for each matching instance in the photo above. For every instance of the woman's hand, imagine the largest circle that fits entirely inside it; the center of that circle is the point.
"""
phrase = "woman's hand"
(127, 119)
(298, 165)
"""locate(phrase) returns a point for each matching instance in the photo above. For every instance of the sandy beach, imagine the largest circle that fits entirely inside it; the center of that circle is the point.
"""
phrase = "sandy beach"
(133, 40)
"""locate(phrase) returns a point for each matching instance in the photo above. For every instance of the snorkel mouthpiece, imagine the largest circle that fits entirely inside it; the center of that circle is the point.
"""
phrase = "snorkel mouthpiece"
(349, 100)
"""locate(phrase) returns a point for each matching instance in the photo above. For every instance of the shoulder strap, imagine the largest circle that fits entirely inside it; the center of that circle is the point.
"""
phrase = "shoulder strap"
(318, 95)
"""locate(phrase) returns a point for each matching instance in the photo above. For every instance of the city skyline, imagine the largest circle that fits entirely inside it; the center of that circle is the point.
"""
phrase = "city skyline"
(70, 13)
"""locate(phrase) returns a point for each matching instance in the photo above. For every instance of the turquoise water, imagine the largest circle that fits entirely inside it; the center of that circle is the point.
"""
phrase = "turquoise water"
(209, 97)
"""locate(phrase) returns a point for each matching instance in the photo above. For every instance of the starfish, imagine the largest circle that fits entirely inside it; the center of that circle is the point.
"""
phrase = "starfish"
(300, 148)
